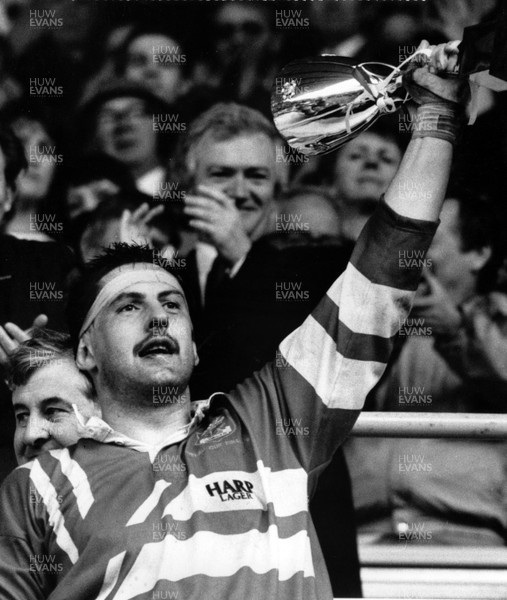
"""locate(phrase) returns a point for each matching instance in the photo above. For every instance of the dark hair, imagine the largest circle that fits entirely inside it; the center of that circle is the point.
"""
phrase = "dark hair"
(86, 286)
(44, 347)
(478, 227)
(387, 127)
(476, 218)
(14, 155)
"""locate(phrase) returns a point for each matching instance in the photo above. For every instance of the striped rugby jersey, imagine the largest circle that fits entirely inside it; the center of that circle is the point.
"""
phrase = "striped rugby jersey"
(220, 511)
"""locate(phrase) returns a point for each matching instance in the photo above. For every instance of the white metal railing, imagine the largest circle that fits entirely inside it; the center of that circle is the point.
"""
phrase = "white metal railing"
(431, 425)
(432, 572)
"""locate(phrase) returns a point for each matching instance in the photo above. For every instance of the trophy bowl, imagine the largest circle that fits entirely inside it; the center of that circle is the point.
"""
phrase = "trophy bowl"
(319, 104)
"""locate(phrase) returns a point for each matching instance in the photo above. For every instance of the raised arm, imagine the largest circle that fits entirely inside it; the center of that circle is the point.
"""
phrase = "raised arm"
(425, 168)
(326, 367)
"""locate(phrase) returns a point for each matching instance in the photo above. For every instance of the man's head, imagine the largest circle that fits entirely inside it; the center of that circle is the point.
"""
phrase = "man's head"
(242, 29)
(152, 56)
(46, 385)
(365, 166)
(12, 162)
(232, 148)
(124, 130)
(130, 322)
(462, 249)
(307, 209)
(120, 119)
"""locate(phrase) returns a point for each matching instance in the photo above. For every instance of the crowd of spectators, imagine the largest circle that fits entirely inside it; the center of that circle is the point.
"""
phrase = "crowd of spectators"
(150, 122)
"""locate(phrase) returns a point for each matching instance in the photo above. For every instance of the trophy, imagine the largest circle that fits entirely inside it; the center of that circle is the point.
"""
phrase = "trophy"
(320, 103)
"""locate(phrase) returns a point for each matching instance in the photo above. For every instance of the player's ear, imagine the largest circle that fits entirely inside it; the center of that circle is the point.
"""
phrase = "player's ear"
(85, 359)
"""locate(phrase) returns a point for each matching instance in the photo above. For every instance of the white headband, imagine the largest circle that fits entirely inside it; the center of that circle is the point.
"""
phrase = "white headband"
(117, 280)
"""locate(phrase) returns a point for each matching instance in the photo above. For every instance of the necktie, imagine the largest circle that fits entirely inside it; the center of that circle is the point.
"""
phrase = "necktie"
(216, 278)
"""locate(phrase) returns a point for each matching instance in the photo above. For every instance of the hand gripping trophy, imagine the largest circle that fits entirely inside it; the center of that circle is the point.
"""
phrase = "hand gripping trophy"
(319, 104)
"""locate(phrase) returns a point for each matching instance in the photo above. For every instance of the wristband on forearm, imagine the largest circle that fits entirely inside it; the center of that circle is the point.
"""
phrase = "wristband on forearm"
(443, 120)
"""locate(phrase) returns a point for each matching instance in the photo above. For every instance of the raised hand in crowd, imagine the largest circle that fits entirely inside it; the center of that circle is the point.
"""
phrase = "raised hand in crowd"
(11, 336)
(214, 215)
(436, 307)
(134, 225)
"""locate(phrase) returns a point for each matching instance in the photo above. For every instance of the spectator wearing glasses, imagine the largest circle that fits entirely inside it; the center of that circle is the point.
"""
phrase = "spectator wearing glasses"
(123, 123)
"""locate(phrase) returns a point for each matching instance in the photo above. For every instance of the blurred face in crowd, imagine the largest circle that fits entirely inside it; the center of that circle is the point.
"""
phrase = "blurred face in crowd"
(310, 210)
(6, 193)
(241, 28)
(455, 268)
(35, 181)
(365, 166)
(141, 338)
(125, 131)
(335, 19)
(154, 59)
(45, 418)
(77, 17)
(244, 168)
(10, 13)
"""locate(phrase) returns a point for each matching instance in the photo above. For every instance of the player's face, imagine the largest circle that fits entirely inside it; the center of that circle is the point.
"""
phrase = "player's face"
(45, 419)
(365, 167)
(243, 168)
(143, 337)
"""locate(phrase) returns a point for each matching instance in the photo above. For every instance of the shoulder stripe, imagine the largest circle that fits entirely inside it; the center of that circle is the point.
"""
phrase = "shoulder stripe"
(367, 307)
(48, 494)
(149, 504)
(350, 344)
(78, 479)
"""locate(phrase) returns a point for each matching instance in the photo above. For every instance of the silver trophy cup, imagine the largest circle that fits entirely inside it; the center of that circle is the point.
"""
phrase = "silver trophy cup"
(319, 104)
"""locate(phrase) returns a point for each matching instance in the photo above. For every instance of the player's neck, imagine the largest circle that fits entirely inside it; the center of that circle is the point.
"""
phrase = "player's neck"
(150, 422)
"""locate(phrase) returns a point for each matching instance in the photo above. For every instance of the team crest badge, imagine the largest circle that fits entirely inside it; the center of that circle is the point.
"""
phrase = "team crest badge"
(218, 429)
